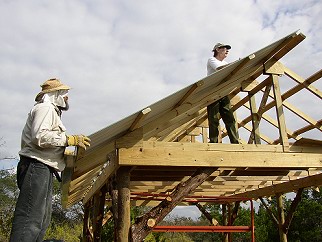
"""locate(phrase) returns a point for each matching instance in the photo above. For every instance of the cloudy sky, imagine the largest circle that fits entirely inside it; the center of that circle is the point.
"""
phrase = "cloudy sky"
(121, 56)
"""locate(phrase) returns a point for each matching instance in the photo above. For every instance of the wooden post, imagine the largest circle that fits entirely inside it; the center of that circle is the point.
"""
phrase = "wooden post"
(280, 113)
(224, 221)
(124, 207)
(86, 233)
(114, 195)
(98, 213)
(229, 221)
(255, 119)
(281, 217)
(234, 212)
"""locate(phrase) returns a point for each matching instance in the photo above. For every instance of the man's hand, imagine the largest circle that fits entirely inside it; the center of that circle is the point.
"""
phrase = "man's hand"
(78, 140)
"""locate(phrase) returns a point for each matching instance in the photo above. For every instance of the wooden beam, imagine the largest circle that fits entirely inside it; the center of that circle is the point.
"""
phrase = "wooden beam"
(260, 111)
(208, 216)
(102, 177)
(141, 116)
(93, 158)
(280, 113)
(303, 83)
(269, 211)
(87, 235)
(291, 212)
(315, 180)
(66, 179)
(98, 213)
(273, 67)
(255, 119)
(239, 67)
(199, 154)
(307, 128)
(190, 91)
(294, 40)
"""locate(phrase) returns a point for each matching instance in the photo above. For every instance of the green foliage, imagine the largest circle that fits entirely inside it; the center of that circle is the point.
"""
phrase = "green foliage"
(107, 233)
(8, 196)
(66, 231)
(307, 221)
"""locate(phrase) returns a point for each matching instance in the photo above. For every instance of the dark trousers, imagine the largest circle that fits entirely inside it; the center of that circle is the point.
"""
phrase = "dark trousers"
(222, 108)
(34, 205)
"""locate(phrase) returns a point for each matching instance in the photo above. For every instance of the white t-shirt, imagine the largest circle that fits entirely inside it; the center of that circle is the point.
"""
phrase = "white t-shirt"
(213, 63)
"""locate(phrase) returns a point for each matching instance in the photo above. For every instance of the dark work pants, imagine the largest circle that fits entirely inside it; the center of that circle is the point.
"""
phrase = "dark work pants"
(33, 209)
(222, 108)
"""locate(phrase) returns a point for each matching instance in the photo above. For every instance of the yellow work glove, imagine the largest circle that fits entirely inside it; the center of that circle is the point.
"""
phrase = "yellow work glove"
(78, 140)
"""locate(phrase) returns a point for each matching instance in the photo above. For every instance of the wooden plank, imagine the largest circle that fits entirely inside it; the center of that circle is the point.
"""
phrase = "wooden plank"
(199, 154)
(102, 178)
(292, 41)
(173, 131)
(190, 91)
(98, 213)
(315, 180)
(94, 158)
(306, 128)
(280, 113)
(66, 179)
(239, 67)
(303, 83)
(139, 119)
(273, 67)
(270, 120)
(255, 119)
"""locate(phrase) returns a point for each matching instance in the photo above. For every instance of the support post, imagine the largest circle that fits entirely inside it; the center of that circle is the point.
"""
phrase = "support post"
(281, 217)
(124, 208)
(255, 119)
(86, 233)
(114, 195)
(280, 113)
(224, 221)
(98, 213)
(234, 212)
(230, 237)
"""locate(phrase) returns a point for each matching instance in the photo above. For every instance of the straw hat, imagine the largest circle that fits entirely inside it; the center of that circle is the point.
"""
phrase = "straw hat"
(51, 85)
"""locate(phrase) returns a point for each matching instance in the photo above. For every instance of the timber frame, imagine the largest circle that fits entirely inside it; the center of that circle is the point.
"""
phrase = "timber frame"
(160, 156)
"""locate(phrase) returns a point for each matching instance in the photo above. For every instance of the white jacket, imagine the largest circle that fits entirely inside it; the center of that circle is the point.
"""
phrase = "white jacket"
(43, 137)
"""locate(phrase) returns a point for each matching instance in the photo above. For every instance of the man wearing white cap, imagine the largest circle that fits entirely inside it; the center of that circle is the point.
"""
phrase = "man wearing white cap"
(43, 144)
(221, 107)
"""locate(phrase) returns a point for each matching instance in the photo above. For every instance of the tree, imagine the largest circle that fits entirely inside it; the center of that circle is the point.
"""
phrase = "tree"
(8, 196)
(307, 221)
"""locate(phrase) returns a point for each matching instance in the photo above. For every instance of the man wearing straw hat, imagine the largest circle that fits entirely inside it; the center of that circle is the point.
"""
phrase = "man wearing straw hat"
(43, 144)
(221, 107)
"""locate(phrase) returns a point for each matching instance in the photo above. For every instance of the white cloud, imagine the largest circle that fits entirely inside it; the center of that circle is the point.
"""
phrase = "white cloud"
(120, 56)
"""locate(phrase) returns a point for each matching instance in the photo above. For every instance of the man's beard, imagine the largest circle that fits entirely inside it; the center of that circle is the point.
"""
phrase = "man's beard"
(64, 108)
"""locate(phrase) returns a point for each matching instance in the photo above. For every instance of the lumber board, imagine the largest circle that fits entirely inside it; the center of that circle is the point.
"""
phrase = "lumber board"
(198, 154)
